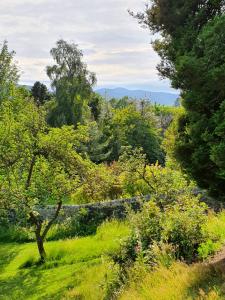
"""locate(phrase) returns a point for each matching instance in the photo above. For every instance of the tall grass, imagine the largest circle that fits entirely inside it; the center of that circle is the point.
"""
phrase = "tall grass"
(178, 282)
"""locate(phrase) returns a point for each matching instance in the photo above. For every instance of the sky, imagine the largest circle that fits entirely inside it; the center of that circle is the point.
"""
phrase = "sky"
(114, 45)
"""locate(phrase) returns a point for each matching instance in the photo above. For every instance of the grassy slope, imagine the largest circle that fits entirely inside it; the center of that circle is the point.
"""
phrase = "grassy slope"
(78, 268)
(75, 268)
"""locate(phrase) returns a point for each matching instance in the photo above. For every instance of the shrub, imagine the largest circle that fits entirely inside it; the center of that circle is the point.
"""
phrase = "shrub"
(82, 224)
(178, 224)
(214, 229)
(12, 233)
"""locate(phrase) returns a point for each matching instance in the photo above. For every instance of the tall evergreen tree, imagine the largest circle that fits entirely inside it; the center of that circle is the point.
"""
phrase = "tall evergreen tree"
(40, 93)
(192, 47)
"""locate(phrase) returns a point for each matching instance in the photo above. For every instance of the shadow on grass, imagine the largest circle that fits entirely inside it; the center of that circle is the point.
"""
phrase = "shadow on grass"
(42, 282)
(7, 254)
(208, 281)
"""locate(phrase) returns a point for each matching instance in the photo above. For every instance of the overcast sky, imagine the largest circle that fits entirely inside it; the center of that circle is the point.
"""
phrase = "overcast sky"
(115, 47)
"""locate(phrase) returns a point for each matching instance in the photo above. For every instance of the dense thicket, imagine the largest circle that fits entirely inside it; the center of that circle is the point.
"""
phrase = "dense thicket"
(192, 47)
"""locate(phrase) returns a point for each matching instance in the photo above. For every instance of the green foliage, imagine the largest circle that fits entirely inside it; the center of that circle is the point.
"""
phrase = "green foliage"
(75, 268)
(175, 280)
(173, 216)
(9, 74)
(139, 177)
(102, 183)
(13, 233)
(72, 83)
(215, 232)
(93, 142)
(200, 131)
(40, 93)
(82, 224)
(37, 162)
(192, 57)
(180, 281)
(95, 104)
(39, 165)
(179, 225)
(130, 128)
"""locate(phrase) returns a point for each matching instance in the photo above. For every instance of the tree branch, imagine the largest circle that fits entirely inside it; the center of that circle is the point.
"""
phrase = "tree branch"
(30, 172)
(52, 220)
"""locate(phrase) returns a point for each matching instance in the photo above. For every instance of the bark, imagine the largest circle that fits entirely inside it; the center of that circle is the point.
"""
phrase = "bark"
(52, 220)
(41, 249)
(40, 237)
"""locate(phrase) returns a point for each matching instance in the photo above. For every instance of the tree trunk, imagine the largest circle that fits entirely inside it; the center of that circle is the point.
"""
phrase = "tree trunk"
(40, 237)
(41, 249)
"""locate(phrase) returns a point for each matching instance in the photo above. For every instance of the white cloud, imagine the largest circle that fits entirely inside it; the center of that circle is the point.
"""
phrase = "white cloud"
(114, 45)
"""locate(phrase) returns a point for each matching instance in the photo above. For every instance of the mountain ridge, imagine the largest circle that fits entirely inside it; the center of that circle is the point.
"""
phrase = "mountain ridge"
(163, 98)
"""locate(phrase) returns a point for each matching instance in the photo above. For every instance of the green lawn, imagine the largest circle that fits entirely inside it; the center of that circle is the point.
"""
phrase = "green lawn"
(75, 269)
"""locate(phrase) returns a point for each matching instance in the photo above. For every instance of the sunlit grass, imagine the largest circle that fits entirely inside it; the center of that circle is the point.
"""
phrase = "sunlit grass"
(179, 282)
(73, 267)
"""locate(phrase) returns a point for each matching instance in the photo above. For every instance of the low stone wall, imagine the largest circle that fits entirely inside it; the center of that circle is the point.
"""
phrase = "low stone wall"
(107, 209)
(115, 208)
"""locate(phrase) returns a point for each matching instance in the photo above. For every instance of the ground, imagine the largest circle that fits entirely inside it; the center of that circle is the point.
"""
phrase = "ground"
(76, 268)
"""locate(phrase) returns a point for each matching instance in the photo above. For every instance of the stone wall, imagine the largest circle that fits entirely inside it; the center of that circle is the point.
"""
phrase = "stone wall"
(107, 209)
(114, 208)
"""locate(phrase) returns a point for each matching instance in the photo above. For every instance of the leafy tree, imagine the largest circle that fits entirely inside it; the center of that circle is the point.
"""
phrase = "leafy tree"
(192, 56)
(40, 93)
(9, 74)
(38, 164)
(102, 182)
(130, 128)
(141, 178)
(72, 83)
(121, 103)
(92, 142)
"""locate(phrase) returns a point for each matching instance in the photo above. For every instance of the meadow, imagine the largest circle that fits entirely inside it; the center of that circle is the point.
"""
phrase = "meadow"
(82, 268)
(75, 269)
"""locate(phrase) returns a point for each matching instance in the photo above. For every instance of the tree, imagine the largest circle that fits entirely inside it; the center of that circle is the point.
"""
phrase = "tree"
(40, 93)
(95, 104)
(38, 164)
(9, 74)
(192, 57)
(130, 128)
(72, 83)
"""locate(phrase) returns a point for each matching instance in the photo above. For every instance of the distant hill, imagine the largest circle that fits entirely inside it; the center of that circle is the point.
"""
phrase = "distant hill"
(28, 87)
(158, 97)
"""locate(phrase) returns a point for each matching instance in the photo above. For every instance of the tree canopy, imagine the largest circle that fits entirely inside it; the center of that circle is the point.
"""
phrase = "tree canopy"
(9, 73)
(72, 83)
(192, 49)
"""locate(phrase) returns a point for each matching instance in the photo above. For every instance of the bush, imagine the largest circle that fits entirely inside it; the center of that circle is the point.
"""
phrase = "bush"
(178, 223)
(214, 229)
(82, 224)
(14, 233)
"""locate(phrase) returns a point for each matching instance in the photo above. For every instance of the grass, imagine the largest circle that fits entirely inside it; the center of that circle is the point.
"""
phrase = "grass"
(79, 269)
(178, 282)
(201, 281)
(75, 269)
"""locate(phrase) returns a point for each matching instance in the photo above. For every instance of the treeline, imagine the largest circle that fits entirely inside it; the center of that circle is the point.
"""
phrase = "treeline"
(73, 131)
